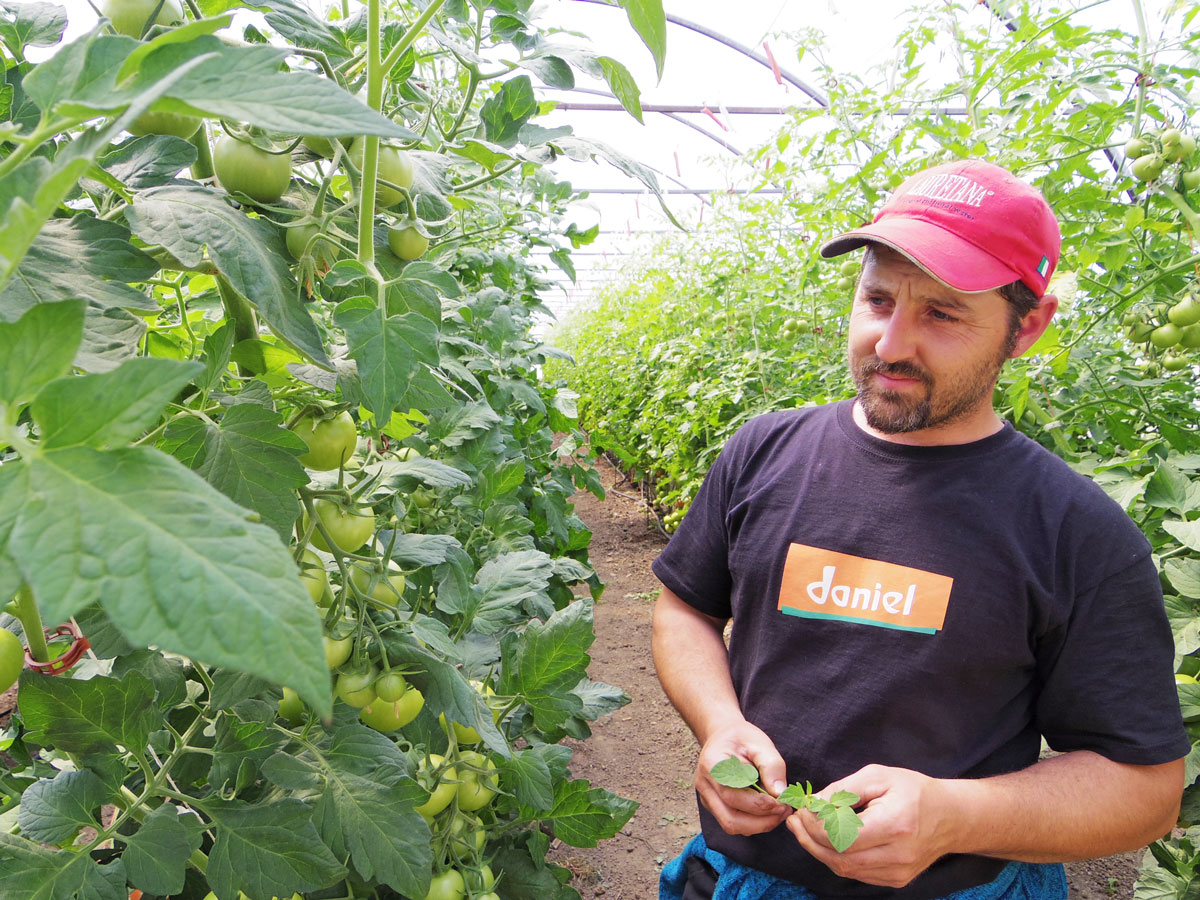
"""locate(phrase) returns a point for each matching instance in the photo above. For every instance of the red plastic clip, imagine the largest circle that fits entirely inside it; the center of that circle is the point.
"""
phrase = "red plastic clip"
(79, 646)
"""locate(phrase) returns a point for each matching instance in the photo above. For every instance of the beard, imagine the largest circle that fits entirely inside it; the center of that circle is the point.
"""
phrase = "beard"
(941, 402)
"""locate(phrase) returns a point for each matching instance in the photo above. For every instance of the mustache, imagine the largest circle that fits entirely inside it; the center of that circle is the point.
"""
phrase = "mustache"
(875, 365)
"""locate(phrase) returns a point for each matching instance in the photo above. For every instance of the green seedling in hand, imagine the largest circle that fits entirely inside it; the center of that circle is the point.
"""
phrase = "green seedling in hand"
(836, 814)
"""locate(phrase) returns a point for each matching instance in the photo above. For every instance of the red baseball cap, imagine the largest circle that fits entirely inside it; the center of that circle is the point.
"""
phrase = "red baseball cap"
(970, 224)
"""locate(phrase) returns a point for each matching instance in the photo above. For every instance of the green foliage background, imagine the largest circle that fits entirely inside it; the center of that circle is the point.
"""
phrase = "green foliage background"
(741, 316)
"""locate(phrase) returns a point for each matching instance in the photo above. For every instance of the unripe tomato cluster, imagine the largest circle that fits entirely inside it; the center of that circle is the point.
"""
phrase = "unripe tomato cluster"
(672, 519)
(1173, 328)
(1154, 152)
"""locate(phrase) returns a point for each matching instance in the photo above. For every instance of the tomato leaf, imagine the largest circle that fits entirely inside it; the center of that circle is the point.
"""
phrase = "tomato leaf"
(796, 796)
(249, 457)
(111, 409)
(650, 22)
(544, 663)
(582, 816)
(503, 585)
(527, 777)
(268, 850)
(198, 224)
(29, 871)
(137, 531)
(507, 110)
(54, 811)
(733, 772)
(37, 348)
(89, 716)
(624, 88)
(841, 825)
(379, 827)
(156, 855)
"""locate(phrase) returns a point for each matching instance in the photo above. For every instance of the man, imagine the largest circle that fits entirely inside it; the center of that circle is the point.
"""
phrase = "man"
(919, 594)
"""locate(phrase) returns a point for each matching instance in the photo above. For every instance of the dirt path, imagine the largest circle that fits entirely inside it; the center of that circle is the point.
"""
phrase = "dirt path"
(644, 751)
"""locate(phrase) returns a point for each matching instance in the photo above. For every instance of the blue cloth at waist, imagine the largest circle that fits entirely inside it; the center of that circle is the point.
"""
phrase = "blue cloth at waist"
(1017, 881)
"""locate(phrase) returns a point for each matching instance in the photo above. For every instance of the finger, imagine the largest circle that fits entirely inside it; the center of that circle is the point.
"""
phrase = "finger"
(736, 821)
(772, 770)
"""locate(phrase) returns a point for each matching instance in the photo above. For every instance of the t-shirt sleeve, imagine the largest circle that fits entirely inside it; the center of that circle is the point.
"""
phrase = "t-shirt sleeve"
(695, 563)
(1107, 673)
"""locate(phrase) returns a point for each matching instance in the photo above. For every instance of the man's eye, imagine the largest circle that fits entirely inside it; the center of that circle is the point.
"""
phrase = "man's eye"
(942, 316)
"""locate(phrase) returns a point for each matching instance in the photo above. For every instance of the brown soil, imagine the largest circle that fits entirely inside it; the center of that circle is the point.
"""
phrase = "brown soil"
(644, 751)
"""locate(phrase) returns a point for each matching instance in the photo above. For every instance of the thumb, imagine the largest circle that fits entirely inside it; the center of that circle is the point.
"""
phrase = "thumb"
(772, 771)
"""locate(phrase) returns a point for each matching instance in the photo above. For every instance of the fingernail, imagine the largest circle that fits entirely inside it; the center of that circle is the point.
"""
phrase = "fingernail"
(778, 786)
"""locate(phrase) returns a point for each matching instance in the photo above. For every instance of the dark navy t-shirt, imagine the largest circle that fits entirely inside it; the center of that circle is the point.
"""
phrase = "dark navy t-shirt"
(935, 608)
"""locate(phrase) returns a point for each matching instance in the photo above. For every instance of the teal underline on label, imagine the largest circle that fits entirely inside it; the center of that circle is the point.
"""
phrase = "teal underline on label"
(805, 614)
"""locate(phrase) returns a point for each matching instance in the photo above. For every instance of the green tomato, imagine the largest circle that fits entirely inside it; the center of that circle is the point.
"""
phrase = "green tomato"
(1136, 147)
(849, 269)
(291, 707)
(314, 576)
(441, 786)
(331, 441)
(476, 781)
(844, 284)
(132, 16)
(1190, 181)
(323, 250)
(1166, 336)
(465, 733)
(490, 895)
(356, 689)
(242, 168)
(1190, 337)
(322, 146)
(1148, 167)
(468, 837)
(1185, 312)
(390, 686)
(483, 880)
(337, 650)
(12, 659)
(180, 125)
(395, 166)
(407, 242)
(387, 590)
(447, 886)
(1173, 363)
(348, 529)
(384, 716)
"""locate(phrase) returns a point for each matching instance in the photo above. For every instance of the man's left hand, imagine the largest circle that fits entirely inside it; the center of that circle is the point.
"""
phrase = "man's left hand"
(905, 827)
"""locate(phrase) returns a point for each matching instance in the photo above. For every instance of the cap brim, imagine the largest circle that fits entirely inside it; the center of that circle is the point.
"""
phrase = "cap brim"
(941, 255)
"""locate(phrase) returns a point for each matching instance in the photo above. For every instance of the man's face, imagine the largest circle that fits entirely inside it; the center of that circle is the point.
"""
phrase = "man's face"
(922, 354)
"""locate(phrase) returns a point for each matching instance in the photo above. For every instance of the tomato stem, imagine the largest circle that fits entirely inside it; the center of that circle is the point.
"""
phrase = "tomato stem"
(31, 621)
(202, 168)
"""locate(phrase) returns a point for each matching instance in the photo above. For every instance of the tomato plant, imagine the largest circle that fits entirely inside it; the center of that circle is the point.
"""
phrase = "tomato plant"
(160, 337)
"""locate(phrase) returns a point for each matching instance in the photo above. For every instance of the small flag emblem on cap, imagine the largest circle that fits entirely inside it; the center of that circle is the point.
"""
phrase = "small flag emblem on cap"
(1043, 266)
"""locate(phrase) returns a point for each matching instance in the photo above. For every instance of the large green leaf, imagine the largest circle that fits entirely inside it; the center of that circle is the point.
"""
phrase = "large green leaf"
(650, 22)
(29, 871)
(582, 815)
(54, 810)
(89, 716)
(174, 563)
(37, 349)
(188, 220)
(504, 585)
(156, 856)
(109, 410)
(249, 457)
(148, 161)
(82, 257)
(624, 88)
(31, 25)
(377, 823)
(389, 350)
(268, 851)
(507, 110)
(545, 662)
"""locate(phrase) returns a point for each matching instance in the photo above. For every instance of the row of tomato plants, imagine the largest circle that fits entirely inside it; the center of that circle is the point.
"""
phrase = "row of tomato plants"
(742, 316)
(275, 449)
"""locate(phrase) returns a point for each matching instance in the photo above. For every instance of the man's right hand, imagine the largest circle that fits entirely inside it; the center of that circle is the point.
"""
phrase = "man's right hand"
(743, 810)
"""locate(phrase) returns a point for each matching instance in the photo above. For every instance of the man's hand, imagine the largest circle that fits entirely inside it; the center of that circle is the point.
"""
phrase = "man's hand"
(902, 833)
(743, 811)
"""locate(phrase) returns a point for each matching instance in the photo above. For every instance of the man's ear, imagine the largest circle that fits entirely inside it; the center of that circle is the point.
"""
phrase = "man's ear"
(1033, 324)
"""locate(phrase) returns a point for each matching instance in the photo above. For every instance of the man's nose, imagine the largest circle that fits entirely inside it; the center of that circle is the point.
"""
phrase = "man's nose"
(897, 339)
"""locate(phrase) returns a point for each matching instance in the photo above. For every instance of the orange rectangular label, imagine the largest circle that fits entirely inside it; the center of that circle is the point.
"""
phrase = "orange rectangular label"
(825, 584)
